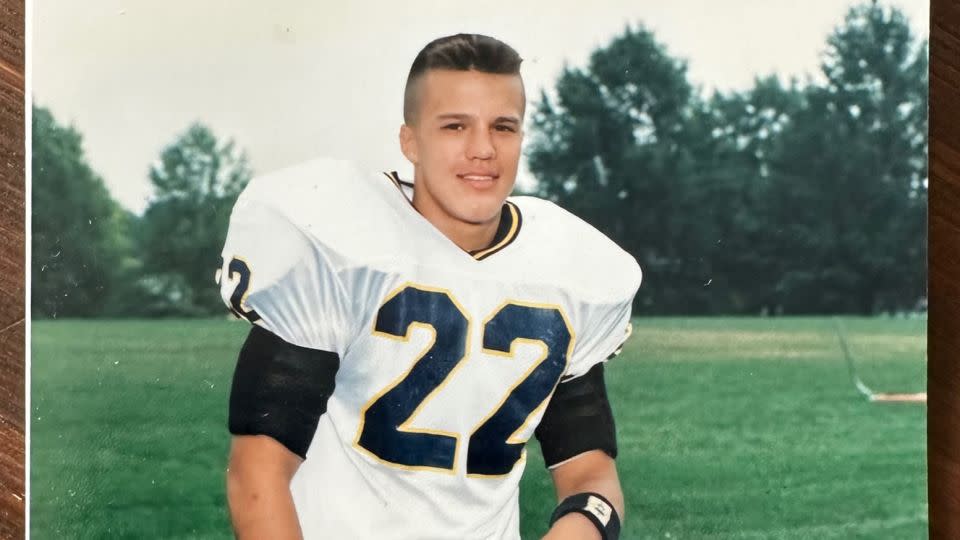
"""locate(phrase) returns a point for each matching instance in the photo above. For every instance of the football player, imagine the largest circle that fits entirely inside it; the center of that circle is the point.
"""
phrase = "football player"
(408, 339)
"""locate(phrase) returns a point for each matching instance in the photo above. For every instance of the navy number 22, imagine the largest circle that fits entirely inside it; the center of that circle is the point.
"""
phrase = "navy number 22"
(493, 447)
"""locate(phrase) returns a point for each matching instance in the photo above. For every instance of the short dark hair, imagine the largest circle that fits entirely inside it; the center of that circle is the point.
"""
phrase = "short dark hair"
(460, 52)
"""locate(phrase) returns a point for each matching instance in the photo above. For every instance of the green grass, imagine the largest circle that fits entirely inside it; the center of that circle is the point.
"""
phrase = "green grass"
(735, 428)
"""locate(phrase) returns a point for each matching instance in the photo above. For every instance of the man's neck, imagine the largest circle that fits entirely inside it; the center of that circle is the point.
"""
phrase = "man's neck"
(467, 236)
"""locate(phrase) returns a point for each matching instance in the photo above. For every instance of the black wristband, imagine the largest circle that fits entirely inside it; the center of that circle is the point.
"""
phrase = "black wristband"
(597, 509)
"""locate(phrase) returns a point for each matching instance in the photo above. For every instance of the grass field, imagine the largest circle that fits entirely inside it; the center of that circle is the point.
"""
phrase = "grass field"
(728, 428)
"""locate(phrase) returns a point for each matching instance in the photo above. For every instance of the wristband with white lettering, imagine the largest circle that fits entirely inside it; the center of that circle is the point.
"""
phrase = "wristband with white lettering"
(596, 508)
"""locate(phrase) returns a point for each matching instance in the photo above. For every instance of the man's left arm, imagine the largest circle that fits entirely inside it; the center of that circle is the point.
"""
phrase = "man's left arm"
(591, 472)
(578, 439)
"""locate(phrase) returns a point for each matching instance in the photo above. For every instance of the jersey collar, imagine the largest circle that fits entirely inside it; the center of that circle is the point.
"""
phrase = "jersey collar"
(507, 231)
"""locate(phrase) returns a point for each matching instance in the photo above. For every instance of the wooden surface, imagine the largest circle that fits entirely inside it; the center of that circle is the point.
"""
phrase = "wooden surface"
(944, 230)
(11, 269)
(943, 352)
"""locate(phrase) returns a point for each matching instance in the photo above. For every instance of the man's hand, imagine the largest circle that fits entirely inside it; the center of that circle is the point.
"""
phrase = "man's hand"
(592, 471)
(258, 488)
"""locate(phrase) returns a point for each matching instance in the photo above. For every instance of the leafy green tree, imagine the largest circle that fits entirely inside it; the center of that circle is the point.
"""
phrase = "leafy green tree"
(629, 145)
(80, 252)
(848, 178)
(783, 198)
(196, 181)
(746, 129)
(616, 146)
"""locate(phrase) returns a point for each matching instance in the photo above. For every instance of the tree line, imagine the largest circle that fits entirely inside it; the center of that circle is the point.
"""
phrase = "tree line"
(789, 197)
(93, 258)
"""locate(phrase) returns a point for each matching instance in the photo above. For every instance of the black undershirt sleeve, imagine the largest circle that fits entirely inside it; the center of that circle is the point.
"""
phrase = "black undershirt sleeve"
(578, 419)
(280, 390)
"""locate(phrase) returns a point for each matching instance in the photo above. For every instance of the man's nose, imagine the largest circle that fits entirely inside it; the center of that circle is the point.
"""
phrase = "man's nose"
(480, 145)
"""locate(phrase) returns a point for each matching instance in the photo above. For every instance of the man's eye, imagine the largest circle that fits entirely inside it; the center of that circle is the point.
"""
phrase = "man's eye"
(454, 127)
(506, 127)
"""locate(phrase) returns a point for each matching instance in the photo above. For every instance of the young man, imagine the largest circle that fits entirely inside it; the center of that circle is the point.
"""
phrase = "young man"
(407, 341)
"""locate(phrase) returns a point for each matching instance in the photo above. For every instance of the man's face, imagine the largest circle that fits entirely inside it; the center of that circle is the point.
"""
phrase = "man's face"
(465, 144)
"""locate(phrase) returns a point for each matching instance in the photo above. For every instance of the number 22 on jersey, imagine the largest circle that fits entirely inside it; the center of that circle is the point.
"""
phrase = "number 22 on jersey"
(493, 447)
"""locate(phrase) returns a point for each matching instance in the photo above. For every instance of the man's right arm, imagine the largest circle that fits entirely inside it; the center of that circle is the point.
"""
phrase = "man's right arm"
(258, 488)
(278, 395)
(279, 279)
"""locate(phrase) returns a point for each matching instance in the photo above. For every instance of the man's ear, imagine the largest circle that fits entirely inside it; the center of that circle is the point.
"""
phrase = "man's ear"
(408, 144)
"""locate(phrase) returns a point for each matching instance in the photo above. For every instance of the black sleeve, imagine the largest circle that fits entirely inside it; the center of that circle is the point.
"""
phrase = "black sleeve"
(578, 418)
(280, 390)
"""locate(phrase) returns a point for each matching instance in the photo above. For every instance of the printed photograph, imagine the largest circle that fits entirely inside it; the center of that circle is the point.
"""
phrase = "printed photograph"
(557, 270)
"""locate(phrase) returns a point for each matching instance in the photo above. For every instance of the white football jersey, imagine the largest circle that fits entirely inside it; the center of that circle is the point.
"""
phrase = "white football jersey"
(448, 359)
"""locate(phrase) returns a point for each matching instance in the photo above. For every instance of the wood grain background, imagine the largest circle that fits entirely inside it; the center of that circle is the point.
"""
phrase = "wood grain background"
(944, 234)
(943, 351)
(11, 269)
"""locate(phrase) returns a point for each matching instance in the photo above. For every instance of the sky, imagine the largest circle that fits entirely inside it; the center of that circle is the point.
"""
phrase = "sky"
(293, 80)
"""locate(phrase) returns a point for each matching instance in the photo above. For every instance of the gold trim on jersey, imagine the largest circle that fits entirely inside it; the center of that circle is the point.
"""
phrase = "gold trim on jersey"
(512, 213)
(514, 437)
(393, 178)
(404, 427)
(626, 337)
(507, 230)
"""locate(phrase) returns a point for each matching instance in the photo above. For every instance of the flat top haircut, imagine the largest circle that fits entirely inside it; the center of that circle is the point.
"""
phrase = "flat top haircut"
(460, 52)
